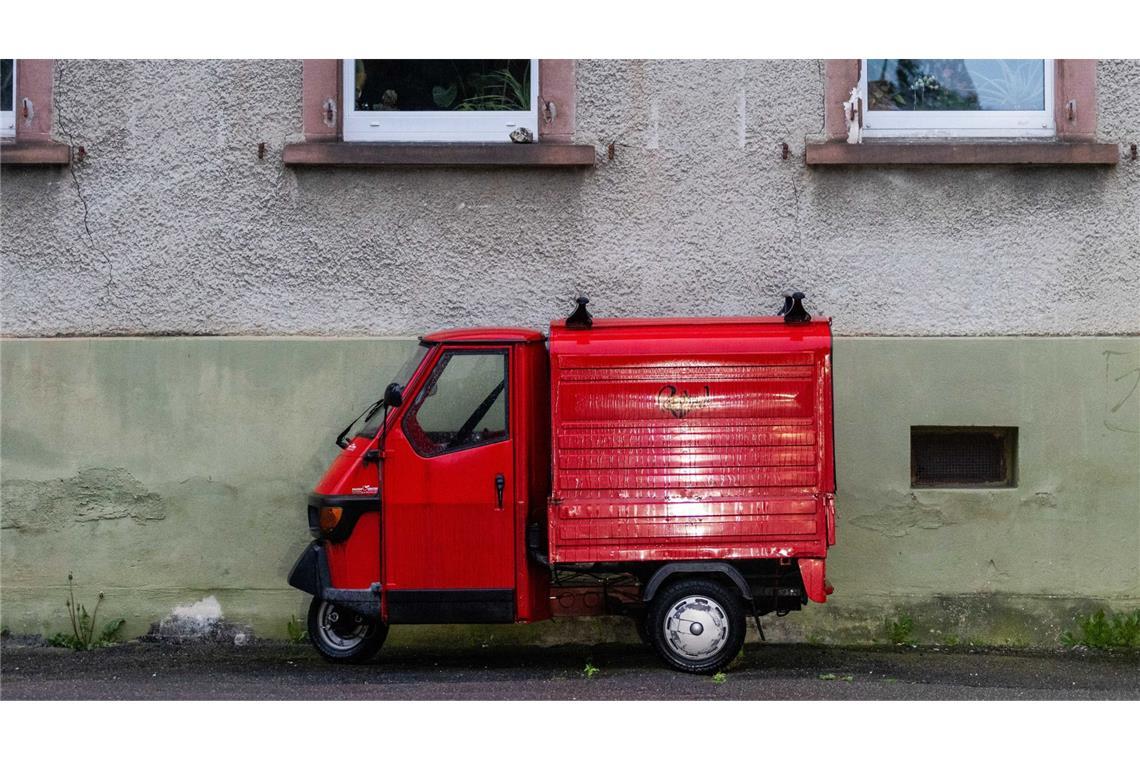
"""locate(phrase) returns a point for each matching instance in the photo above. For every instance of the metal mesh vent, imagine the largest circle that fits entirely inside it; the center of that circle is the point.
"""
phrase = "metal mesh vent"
(962, 457)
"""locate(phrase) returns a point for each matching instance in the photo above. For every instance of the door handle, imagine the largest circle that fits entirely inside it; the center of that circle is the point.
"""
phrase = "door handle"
(500, 484)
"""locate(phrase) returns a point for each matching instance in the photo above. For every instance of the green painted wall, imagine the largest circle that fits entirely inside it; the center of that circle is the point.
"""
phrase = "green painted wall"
(164, 470)
(1001, 565)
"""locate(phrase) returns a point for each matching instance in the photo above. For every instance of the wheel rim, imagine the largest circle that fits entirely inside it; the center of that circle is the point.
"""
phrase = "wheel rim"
(696, 628)
(341, 629)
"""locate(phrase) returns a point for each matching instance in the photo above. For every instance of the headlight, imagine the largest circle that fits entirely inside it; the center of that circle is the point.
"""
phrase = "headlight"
(328, 519)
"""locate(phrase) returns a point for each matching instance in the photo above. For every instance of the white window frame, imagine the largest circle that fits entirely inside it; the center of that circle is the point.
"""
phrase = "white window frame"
(8, 118)
(893, 124)
(433, 126)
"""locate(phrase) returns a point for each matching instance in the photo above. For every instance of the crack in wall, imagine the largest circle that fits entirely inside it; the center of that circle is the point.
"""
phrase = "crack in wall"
(796, 200)
(89, 239)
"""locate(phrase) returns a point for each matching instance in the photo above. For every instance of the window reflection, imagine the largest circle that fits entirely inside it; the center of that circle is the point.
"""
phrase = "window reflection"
(955, 84)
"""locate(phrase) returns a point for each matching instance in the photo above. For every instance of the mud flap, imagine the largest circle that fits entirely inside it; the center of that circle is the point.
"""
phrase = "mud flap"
(310, 572)
(813, 573)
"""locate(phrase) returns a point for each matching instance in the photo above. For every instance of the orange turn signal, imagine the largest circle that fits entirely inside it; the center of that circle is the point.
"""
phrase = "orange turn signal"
(329, 518)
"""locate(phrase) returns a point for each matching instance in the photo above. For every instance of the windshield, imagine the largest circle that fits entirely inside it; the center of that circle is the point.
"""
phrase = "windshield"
(368, 425)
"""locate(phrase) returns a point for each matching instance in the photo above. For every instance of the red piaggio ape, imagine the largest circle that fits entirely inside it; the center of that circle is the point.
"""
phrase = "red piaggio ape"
(678, 471)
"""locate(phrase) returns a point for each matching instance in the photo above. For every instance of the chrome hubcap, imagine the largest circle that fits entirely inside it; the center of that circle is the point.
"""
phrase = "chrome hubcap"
(696, 628)
(342, 629)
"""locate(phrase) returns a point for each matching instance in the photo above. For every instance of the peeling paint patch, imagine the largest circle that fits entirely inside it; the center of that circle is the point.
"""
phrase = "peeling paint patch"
(95, 493)
(200, 621)
(899, 519)
(1041, 500)
(201, 612)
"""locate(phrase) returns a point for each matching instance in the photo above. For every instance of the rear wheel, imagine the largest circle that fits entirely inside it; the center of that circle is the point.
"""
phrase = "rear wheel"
(696, 625)
(341, 635)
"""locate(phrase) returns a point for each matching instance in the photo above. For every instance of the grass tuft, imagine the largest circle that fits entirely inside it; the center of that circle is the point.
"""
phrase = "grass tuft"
(1120, 630)
(900, 631)
(296, 630)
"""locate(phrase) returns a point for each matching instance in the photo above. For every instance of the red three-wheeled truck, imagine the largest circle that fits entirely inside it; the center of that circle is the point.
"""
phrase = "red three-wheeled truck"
(678, 471)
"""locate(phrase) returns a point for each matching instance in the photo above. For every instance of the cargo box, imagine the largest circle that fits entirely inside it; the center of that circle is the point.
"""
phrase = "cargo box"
(691, 439)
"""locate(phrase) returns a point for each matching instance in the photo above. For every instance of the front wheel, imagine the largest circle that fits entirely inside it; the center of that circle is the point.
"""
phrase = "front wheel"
(341, 635)
(697, 625)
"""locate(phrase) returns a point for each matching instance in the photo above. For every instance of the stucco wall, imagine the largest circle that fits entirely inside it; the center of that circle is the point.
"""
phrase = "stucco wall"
(167, 470)
(172, 224)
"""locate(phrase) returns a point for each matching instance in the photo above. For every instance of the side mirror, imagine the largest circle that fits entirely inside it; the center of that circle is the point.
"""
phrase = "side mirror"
(393, 395)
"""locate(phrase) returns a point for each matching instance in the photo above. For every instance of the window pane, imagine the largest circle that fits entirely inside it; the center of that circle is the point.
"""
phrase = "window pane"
(7, 86)
(955, 84)
(463, 404)
(443, 85)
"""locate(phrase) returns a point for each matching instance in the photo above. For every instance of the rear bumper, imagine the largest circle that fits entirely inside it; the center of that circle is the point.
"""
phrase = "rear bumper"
(310, 574)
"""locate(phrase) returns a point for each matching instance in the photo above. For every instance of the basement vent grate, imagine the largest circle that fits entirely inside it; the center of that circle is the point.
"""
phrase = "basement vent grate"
(963, 457)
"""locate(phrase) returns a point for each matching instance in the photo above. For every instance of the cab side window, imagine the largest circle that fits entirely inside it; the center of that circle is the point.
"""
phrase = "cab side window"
(463, 404)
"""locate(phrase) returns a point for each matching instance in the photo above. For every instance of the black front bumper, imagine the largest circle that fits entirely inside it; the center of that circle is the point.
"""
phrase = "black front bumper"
(310, 574)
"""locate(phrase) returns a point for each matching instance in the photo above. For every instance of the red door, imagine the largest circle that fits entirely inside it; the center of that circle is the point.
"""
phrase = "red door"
(448, 506)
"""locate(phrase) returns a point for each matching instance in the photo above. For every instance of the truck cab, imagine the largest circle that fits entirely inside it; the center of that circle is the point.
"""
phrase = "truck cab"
(676, 471)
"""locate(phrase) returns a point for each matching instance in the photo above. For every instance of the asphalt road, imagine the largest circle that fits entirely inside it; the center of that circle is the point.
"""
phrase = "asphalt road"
(774, 671)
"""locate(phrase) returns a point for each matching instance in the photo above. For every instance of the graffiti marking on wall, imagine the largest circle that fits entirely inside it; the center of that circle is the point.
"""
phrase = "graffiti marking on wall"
(1121, 399)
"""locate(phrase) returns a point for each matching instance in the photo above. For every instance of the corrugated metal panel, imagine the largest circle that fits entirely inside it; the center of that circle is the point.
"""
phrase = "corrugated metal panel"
(667, 456)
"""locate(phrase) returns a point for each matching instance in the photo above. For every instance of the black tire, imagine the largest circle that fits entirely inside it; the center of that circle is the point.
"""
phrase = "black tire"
(712, 634)
(341, 635)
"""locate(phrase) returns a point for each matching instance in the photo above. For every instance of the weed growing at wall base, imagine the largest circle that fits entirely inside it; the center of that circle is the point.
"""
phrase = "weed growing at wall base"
(296, 630)
(83, 635)
(900, 631)
(1120, 630)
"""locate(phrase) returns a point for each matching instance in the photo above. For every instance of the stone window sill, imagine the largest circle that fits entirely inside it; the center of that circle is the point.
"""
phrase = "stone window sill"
(542, 154)
(34, 153)
(964, 153)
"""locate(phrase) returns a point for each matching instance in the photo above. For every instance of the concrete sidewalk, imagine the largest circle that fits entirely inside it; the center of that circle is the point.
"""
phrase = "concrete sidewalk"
(287, 671)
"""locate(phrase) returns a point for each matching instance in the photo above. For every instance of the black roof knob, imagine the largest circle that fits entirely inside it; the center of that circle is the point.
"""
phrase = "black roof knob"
(580, 319)
(794, 311)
